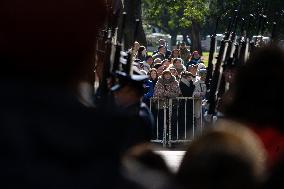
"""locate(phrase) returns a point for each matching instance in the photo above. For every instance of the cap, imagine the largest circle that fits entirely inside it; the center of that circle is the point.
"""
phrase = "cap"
(135, 80)
(201, 66)
(202, 71)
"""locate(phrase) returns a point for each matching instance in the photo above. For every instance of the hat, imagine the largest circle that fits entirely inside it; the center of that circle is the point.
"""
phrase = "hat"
(202, 71)
(186, 74)
(135, 80)
(166, 72)
(201, 66)
(161, 46)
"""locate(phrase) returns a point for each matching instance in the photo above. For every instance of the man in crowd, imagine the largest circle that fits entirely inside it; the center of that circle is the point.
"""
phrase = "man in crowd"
(184, 53)
(162, 42)
(161, 53)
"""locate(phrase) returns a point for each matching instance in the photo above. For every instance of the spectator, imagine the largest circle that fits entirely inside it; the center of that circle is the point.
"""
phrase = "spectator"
(186, 117)
(199, 93)
(162, 42)
(149, 60)
(184, 53)
(195, 58)
(193, 69)
(153, 76)
(160, 68)
(143, 66)
(175, 54)
(166, 63)
(142, 52)
(157, 60)
(166, 87)
(178, 65)
(161, 53)
(174, 73)
(186, 84)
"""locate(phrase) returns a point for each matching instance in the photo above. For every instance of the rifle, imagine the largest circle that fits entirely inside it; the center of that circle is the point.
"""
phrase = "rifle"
(211, 57)
(212, 99)
(225, 54)
(109, 61)
(273, 33)
(240, 46)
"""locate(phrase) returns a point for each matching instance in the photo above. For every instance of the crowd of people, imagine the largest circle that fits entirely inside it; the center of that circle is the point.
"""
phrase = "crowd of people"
(172, 73)
(53, 137)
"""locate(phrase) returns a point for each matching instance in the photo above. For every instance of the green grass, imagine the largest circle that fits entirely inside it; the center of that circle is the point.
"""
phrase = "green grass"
(150, 53)
(205, 56)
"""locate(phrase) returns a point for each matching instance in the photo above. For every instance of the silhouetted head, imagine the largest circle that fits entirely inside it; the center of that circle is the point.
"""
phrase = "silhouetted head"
(50, 40)
(224, 158)
(258, 93)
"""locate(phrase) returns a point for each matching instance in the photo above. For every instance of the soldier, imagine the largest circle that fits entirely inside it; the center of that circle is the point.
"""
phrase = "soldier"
(49, 137)
(128, 95)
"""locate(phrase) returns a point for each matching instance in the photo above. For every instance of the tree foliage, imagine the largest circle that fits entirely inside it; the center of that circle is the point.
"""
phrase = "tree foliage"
(175, 16)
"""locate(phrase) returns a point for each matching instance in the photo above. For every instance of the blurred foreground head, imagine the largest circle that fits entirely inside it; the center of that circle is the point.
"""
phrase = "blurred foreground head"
(258, 94)
(228, 157)
(50, 40)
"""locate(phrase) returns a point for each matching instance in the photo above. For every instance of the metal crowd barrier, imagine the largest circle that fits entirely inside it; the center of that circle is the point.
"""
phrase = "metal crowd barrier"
(174, 115)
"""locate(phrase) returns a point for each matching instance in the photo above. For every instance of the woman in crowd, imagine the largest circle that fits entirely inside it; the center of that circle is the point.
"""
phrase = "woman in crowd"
(149, 60)
(186, 106)
(166, 87)
(195, 58)
(153, 76)
(178, 65)
(174, 73)
(175, 54)
(160, 68)
(142, 53)
(193, 69)
(166, 63)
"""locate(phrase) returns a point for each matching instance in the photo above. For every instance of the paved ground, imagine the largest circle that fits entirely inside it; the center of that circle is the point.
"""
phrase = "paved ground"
(173, 158)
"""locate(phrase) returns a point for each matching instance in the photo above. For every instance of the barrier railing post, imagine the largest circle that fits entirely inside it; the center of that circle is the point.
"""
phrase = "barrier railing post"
(201, 118)
(170, 122)
(157, 119)
(165, 126)
(177, 130)
(185, 114)
(193, 120)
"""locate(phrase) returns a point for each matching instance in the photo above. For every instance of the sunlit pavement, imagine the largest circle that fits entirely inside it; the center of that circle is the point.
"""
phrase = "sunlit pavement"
(173, 158)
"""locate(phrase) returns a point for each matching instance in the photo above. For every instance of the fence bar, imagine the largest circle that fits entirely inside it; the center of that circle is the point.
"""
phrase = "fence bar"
(171, 127)
(170, 120)
(185, 113)
(165, 127)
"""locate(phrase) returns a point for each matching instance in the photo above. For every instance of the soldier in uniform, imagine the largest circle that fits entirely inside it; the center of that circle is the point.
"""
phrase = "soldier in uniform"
(128, 94)
(49, 137)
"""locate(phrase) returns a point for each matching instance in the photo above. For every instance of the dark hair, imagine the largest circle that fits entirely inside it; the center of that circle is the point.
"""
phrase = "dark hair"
(258, 94)
(147, 57)
(222, 159)
(141, 48)
(157, 65)
(161, 46)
